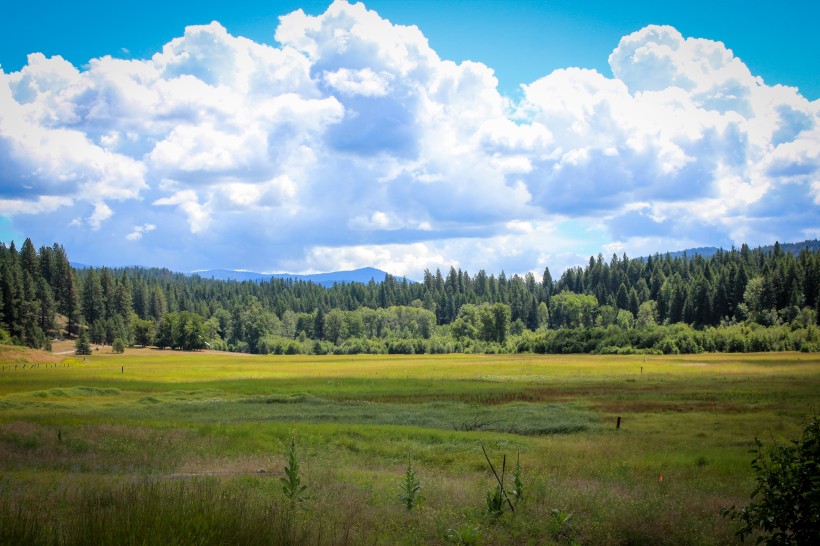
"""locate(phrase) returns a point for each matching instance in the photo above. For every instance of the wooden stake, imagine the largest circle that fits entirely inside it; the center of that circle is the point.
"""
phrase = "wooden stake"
(500, 482)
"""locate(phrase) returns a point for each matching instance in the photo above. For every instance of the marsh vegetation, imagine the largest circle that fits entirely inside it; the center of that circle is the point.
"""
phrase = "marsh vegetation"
(159, 447)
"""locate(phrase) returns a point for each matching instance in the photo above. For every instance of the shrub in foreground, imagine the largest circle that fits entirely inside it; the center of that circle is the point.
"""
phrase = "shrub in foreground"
(785, 507)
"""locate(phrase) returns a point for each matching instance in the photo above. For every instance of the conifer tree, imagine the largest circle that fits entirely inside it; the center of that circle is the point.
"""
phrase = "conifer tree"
(93, 305)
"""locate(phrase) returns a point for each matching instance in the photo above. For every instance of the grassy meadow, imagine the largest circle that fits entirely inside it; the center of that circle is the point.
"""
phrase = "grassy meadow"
(166, 447)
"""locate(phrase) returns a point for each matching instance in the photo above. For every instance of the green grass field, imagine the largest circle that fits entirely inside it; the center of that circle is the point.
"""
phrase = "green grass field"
(168, 447)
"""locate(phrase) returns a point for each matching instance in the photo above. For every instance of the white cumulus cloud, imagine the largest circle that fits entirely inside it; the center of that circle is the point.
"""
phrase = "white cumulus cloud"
(353, 143)
(102, 212)
(139, 231)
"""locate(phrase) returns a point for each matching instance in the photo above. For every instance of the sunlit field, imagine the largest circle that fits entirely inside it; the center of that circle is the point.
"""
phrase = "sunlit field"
(177, 448)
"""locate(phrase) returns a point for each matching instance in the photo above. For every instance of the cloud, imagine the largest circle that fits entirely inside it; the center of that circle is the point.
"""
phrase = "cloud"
(359, 82)
(42, 205)
(138, 232)
(353, 143)
(515, 247)
(102, 212)
(199, 215)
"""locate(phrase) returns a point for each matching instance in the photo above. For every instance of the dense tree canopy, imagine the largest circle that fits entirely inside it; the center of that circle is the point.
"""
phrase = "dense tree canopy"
(661, 303)
(34, 287)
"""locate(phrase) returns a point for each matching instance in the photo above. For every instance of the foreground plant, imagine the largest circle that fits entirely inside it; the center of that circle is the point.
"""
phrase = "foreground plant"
(292, 482)
(410, 487)
(495, 502)
(518, 484)
(498, 497)
(465, 535)
(785, 507)
(559, 525)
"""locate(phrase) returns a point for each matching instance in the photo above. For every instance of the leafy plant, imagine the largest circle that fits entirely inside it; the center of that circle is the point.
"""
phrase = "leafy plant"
(785, 507)
(465, 535)
(410, 486)
(292, 482)
(518, 485)
(495, 502)
(559, 524)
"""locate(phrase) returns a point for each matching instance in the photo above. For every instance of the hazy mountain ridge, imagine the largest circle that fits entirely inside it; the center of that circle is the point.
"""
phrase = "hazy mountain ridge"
(363, 275)
(708, 251)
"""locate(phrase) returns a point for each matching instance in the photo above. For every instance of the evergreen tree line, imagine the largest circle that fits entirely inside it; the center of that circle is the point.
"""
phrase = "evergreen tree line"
(36, 287)
(656, 304)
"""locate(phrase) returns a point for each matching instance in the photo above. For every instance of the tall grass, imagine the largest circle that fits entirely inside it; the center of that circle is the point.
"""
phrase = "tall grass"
(197, 511)
(169, 452)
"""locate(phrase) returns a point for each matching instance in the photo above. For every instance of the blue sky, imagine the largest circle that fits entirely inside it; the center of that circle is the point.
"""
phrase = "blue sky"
(497, 135)
(521, 41)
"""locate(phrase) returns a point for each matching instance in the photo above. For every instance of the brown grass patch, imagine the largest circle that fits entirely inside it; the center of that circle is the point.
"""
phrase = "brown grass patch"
(10, 354)
(657, 406)
(230, 466)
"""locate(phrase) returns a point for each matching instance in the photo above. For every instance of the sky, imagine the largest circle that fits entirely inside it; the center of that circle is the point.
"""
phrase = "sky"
(308, 136)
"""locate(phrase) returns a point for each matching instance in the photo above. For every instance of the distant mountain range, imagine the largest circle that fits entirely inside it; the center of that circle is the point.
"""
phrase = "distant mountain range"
(708, 251)
(363, 275)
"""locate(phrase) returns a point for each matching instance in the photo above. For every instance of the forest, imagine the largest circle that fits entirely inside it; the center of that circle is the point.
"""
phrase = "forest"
(737, 300)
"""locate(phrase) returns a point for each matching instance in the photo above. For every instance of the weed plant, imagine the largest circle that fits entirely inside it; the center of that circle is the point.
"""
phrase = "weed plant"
(410, 487)
(465, 535)
(292, 485)
(518, 483)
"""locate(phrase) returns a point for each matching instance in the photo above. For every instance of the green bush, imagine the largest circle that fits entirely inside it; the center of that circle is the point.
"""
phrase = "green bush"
(82, 346)
(785, 507)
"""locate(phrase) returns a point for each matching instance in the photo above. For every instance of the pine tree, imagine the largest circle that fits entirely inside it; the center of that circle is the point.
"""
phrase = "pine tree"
(82, 345)
(156, 307)
(93, 305)
(71, 303)
(107, 290)
(634, 302)
(122, 304)
(622, 299)
(47, 306)
(30, 332)
(29, 261)
(319, 325)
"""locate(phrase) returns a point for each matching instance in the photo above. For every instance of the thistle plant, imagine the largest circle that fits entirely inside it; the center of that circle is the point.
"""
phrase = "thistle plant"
(292, 482)
(410, 487)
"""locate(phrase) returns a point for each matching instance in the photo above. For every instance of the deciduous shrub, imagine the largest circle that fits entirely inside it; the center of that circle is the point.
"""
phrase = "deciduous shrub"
(785, 507)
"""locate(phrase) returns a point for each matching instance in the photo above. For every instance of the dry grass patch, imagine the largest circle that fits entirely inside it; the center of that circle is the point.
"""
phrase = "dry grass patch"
(10, 355)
